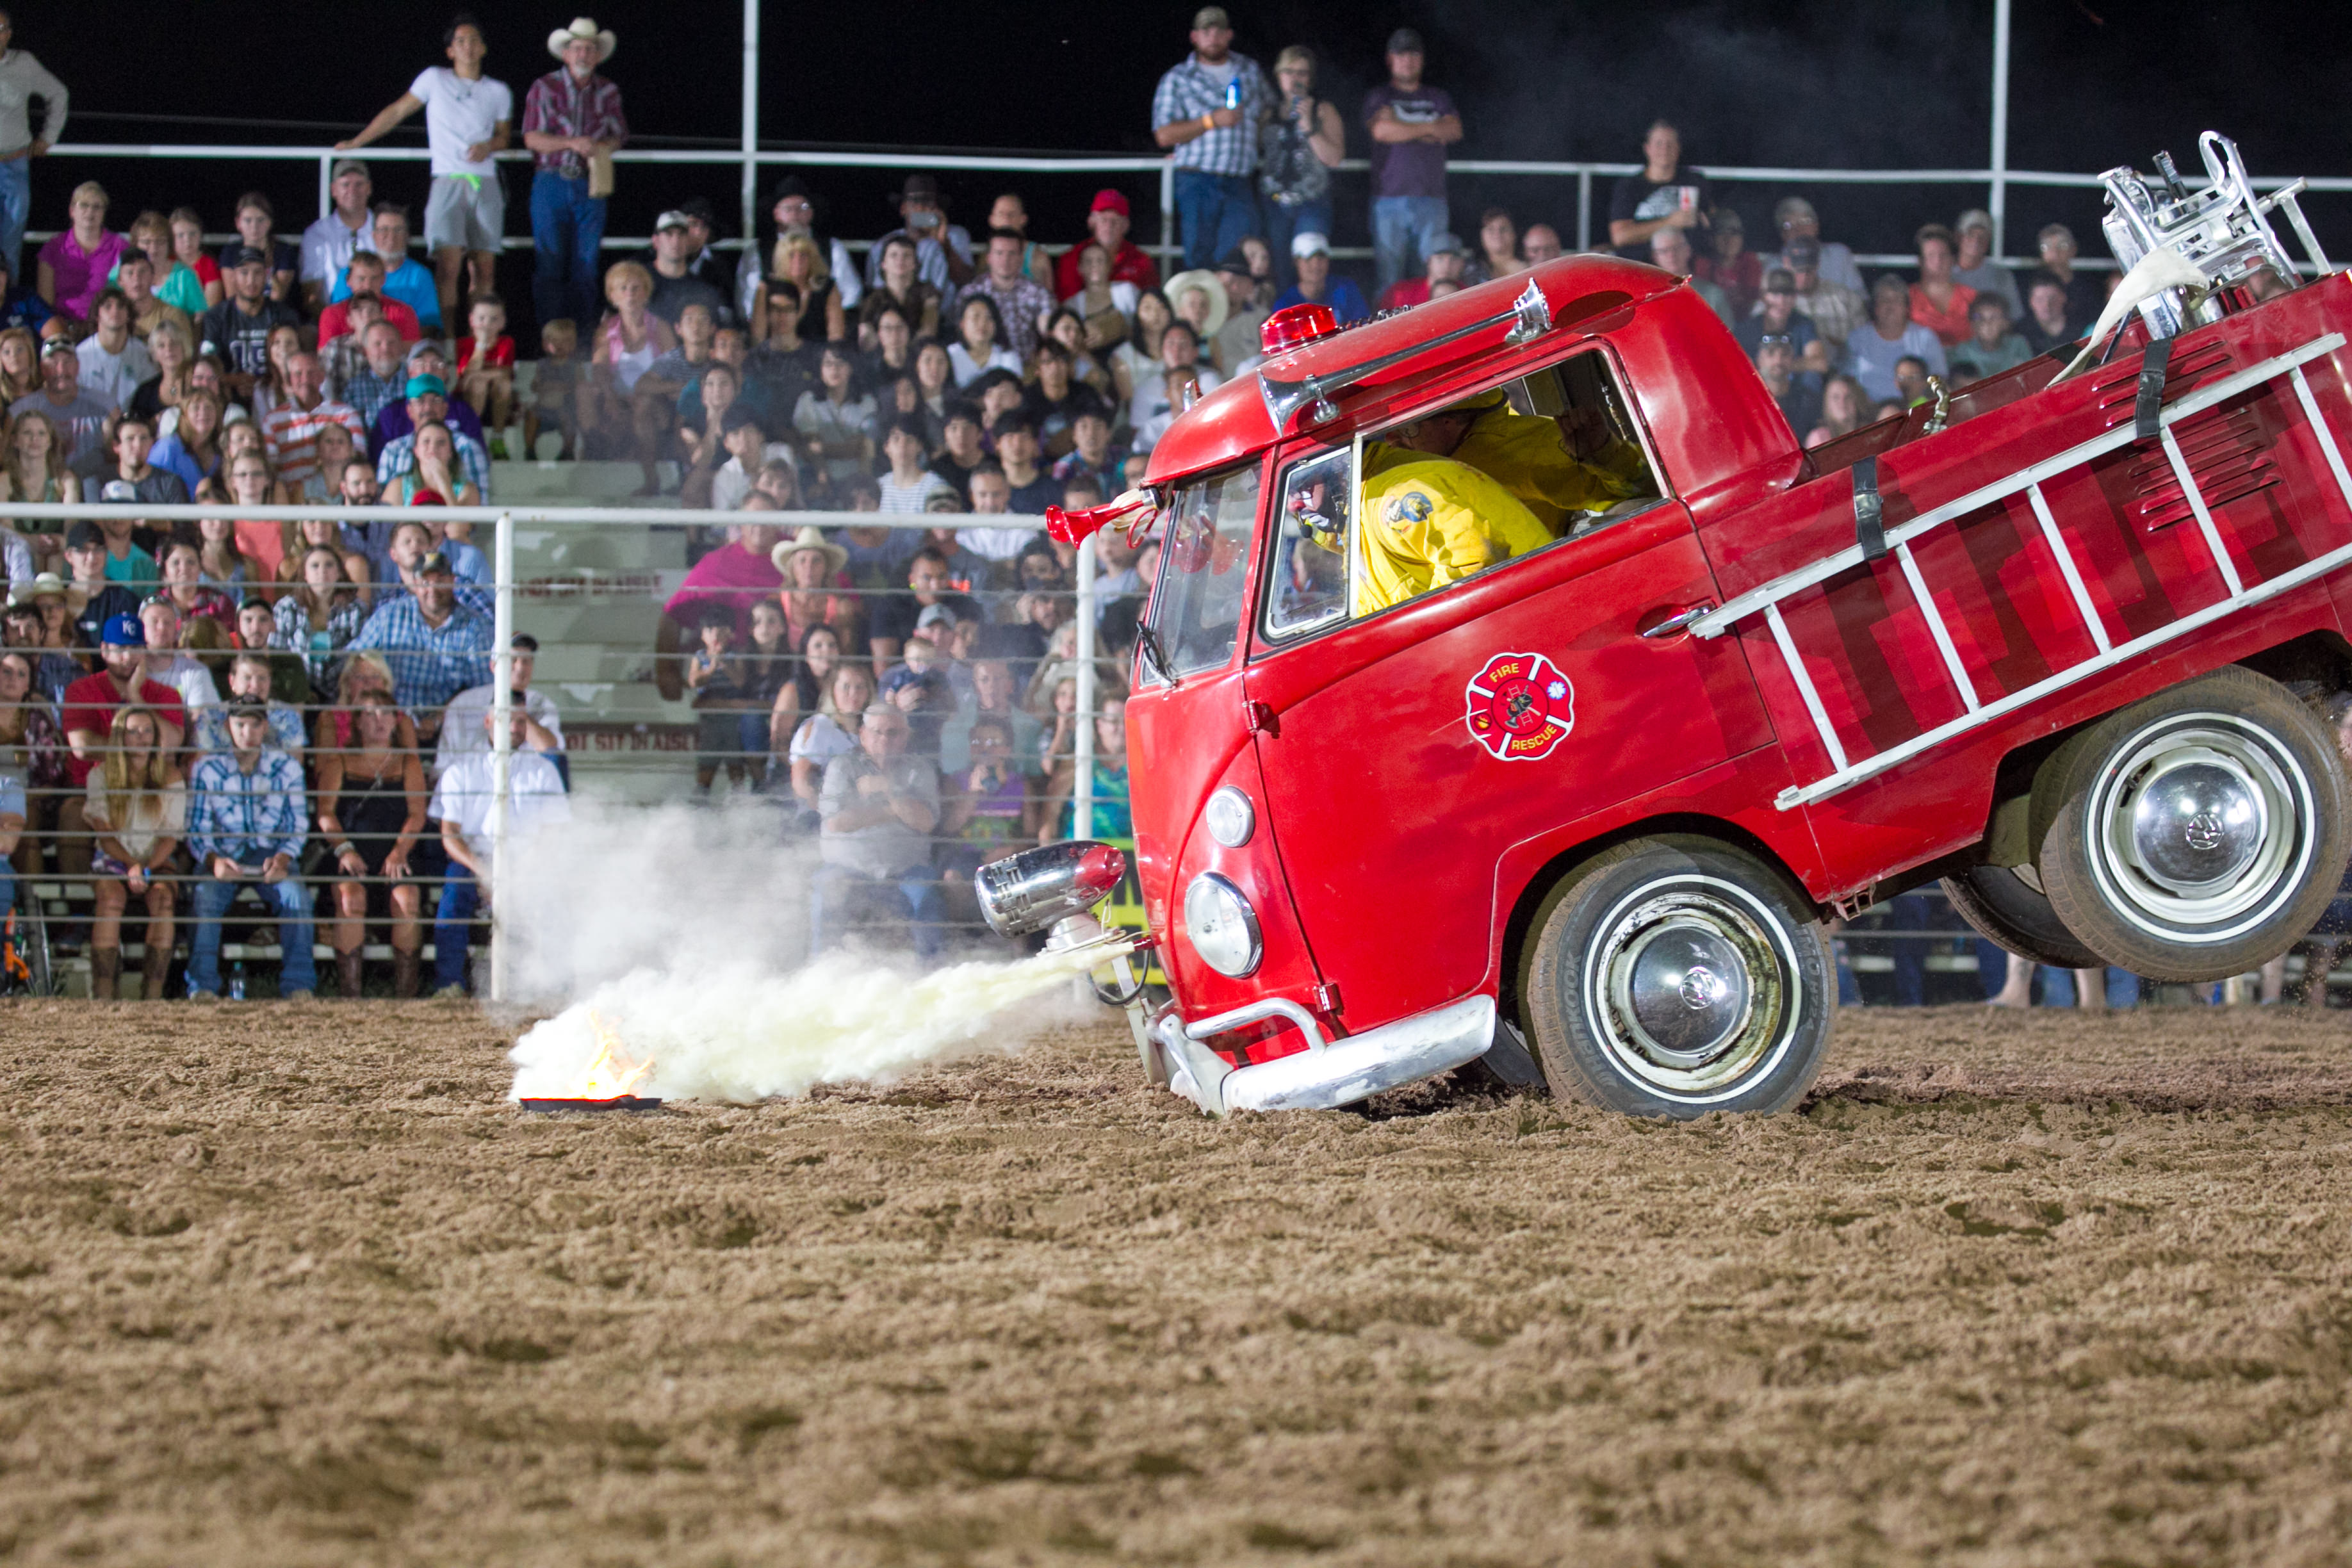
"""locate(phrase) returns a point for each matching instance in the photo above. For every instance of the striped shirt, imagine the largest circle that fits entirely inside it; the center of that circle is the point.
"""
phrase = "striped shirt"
(290, 435)
(1190, 91)
(246, 816)
(429, 664)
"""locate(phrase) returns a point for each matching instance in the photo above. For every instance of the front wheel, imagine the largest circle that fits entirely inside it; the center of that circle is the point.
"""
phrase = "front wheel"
(1674, 976)
(2201, 831)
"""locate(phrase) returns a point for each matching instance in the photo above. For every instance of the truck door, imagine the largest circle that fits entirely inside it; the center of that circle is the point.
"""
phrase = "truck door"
(1404, 750)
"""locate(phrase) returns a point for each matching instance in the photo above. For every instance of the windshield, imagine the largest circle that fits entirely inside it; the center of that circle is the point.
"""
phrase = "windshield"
(1196, 605)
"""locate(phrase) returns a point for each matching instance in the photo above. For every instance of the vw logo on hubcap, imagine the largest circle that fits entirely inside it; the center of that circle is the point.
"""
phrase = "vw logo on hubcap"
(1700, 989)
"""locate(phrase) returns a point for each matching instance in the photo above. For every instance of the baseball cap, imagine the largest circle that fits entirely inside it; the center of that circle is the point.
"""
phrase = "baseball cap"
(1235, 262)
(1445, 245)
(1974, 217)
(57, 346)
(1211, 17)
(1309, 243)
(935, 615)
(346, 166)
(243, 255)
(670, 219)
(122, 631)
(82, 534)
(1789, 207)
(1111, 200)
(1404, 41)
(436, 565)
(246, 707)
(423, 348)
(424, 386)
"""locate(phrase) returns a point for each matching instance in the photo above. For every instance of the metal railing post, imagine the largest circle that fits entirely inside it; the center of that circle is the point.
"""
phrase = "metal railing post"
(1168, 250)
(1082, 789)
(1999, 203)
(502, 744)
(326, 182)
(750, 116)
(1584, 209)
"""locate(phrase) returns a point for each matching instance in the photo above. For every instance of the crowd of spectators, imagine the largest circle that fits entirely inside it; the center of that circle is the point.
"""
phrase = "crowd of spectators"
(907, 697)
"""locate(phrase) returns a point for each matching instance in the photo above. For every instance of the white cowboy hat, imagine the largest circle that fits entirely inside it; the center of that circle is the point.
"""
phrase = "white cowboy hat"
(583, 28)
(1221, 304)
(809, 537)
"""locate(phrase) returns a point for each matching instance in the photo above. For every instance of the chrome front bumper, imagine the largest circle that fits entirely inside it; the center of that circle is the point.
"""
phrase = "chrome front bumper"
(1329, 1073)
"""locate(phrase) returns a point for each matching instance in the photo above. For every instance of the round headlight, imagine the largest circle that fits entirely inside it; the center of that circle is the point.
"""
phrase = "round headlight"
(1222, 926)
(1231, 818)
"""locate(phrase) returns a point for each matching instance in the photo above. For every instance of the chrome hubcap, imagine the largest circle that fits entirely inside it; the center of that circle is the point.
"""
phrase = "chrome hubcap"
(1690, 987)
(2201, 828)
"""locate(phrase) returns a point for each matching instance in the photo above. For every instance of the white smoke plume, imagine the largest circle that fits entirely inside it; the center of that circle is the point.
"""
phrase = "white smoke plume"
(678, 938)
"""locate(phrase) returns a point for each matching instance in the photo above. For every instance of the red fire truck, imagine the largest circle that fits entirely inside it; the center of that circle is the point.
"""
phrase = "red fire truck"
(2053, 638)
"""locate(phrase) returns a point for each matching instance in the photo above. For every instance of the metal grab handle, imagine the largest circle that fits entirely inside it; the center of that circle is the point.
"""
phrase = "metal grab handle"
(1680, 620)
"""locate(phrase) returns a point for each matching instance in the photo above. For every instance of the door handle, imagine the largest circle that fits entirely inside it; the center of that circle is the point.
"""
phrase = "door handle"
(1680, 620)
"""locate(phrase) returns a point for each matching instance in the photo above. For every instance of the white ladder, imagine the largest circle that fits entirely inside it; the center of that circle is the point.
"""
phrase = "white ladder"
(1844, 771)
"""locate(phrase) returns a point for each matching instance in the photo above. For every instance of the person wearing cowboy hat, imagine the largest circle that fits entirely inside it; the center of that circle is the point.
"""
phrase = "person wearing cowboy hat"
(468, 119)
(809, 540)
(1200, 297)
(570, 119)
(943, 249)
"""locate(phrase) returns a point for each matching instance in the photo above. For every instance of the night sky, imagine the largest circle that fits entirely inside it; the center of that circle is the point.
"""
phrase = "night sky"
(1843, 82)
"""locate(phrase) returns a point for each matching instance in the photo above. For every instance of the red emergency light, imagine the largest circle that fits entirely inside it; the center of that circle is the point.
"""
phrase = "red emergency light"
(1294, 326)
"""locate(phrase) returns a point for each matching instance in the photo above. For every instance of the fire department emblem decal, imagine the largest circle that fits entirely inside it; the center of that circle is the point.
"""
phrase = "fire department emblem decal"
(1520, 706)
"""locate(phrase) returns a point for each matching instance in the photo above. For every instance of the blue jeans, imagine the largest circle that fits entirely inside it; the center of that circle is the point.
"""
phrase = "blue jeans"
(567, 228)
(2058, 987)
(918, 895)
(1404, 228)
(15, 207)
(1216, 212)
(1282, 223)
(452, 927)
(289, 897)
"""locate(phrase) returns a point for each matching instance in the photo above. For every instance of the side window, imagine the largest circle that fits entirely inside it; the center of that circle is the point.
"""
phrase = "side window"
(1454, 492)
(1307, 583)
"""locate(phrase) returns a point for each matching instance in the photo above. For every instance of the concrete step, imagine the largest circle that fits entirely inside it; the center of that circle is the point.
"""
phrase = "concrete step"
(581, 484)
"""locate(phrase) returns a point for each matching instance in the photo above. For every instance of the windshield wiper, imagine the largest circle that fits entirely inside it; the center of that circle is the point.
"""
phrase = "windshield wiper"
(1149, 641)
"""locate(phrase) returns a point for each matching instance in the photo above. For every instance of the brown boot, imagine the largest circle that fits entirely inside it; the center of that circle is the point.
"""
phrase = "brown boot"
(105, 964)
(348, 966)
(405, 973)
(158, 966)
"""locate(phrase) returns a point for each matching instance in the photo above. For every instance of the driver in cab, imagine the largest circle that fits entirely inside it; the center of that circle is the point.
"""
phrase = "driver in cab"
(1562, 467)
(1430, 519)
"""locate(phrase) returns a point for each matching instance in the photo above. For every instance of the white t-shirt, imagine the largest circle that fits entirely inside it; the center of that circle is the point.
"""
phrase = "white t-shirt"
(535, 795)
(113, 378)
(458, 113)
(731, 484)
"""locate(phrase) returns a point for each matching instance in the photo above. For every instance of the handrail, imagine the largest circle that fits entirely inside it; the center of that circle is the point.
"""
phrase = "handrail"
(1583, 171)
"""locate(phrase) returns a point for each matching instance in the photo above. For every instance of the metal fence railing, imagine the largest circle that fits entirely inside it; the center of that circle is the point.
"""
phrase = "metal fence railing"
(1082, 597)
(1581, 173)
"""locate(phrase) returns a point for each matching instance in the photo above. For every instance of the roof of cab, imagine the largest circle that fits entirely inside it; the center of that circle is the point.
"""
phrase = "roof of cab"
(1234, 421)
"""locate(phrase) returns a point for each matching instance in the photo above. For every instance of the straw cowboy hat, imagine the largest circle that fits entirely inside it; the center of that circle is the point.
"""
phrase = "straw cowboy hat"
(809, 537)
(1221, 304)
(583, 28)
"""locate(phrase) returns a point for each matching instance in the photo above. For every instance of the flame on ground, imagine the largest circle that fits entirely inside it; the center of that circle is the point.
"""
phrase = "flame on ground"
(740, 1035)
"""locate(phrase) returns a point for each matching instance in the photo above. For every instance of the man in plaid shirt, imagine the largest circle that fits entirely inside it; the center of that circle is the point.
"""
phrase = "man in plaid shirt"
(570, 117)
(246, 828)
(435, 646)
(1207, 112)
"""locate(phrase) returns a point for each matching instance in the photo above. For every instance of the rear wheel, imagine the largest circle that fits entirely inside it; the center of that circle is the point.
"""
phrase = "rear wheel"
(2005, 908)
(2198, 832)
(1676, 976)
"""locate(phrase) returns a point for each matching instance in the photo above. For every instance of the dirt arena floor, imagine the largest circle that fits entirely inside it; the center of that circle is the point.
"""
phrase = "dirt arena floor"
(296, 1285)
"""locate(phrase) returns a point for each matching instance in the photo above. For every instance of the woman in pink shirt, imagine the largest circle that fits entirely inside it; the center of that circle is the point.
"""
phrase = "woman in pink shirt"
(74, 265)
